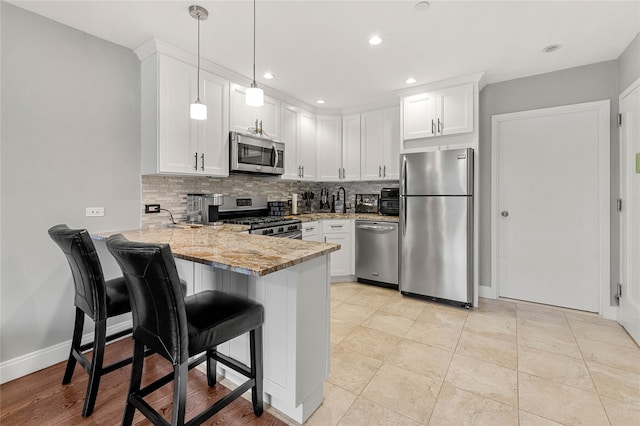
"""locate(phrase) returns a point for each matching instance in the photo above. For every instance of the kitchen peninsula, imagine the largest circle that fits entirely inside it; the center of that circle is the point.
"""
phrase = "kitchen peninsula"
(289, 277)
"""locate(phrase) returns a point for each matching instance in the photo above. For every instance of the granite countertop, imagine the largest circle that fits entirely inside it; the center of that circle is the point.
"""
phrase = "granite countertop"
(227, 247)
(310, 217)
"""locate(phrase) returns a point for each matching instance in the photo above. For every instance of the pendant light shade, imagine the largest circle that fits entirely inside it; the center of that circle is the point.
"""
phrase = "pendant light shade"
(254, 95)
(198, 110)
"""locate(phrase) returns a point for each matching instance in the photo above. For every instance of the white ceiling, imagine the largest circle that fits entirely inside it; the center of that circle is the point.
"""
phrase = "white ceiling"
(319, 49)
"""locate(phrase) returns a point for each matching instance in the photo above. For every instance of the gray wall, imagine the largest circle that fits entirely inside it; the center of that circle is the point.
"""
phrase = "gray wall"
(629, 64)
(575, 85)
(70, 140)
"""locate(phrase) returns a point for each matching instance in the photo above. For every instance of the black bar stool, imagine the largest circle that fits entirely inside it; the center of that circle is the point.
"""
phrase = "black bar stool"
(177, 328)
(98, 299)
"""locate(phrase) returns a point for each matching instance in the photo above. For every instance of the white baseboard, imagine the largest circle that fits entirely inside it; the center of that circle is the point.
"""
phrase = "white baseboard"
(487, 292)
(46, 357)
(343, 278)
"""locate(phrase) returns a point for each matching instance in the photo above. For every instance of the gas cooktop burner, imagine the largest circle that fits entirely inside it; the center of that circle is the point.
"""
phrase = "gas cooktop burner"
(252, 211)
(258, 221)
(263, 222)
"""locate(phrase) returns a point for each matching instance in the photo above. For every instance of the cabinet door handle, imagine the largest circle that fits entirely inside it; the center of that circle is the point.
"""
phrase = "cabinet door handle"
(344, 173)
(202, 165)
(336, 226)
(302, 171)
(299, 171)
(196, 165)
(440, 128)
(384, 171)
(379, 171)
(433, 127)
(325, 239)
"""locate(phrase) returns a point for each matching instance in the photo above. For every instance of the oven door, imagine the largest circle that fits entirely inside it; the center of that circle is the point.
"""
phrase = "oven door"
(256, 155)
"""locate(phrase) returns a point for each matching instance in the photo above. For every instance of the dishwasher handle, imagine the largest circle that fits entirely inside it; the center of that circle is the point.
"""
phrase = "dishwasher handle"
(379, 228)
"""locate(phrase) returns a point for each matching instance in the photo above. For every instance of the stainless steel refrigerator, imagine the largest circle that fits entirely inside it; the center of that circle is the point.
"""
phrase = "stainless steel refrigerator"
(436, 225)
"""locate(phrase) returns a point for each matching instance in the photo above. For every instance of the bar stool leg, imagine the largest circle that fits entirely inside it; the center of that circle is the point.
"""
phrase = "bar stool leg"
(75, 346)
(179, 393)
(211, 367)
(95, 373)
(136, 380)
(255, 347)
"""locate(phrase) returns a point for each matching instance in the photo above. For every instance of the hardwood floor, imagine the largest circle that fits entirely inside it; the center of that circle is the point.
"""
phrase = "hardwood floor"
(41, 399)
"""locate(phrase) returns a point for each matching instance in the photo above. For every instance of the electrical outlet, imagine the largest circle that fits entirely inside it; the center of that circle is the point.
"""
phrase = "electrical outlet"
(94, 211)
(152, 208)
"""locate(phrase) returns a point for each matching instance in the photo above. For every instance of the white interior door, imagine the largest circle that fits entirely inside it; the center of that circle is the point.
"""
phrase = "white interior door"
(551, 195)
(629, 310)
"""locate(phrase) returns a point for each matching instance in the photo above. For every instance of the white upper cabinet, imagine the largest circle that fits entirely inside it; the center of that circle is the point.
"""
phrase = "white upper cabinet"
(443, 112)
(329, 147)
(298, 135)
(380, 144)
(307, 145)
(350, 148)
(243, 117)
(213, 133)
(289, 129)
(172, 142)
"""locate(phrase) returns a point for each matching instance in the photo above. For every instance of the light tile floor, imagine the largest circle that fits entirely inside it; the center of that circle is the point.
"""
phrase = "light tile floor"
(402, 361)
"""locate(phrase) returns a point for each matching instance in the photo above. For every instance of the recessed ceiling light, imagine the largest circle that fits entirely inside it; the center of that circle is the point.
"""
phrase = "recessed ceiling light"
(320, 101)
(268, 75)
(410, 80)
(375, 40)
(552, 48)
(422, 5)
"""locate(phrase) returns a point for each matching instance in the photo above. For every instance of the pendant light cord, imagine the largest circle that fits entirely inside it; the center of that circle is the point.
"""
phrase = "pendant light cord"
(198, 74)
(254, 42)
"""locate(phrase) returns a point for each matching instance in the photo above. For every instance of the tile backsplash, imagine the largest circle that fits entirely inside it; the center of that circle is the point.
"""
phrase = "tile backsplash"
(171, 192)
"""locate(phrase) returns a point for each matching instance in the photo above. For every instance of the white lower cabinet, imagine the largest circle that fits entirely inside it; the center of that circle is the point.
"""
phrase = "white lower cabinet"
(339, 231)
(311, 231)
(296, 338)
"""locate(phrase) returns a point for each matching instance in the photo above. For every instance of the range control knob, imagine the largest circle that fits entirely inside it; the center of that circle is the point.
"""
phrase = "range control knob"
(292, 228)
(280, 229)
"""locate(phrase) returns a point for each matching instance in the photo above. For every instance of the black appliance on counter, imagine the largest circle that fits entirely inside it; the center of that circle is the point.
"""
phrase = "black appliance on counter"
(367, 203)
(254, 212)
(390, 201)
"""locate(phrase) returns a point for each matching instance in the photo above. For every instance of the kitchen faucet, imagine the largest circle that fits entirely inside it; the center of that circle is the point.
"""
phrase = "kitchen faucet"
(344, 199)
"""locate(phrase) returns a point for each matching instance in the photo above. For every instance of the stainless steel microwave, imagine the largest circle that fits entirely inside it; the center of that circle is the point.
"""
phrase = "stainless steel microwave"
(253, 154)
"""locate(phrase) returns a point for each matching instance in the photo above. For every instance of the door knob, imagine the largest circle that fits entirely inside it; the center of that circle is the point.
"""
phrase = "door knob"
(504, 213)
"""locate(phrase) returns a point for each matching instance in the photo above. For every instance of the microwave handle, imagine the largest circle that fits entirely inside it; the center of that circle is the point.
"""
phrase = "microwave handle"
(275, 151)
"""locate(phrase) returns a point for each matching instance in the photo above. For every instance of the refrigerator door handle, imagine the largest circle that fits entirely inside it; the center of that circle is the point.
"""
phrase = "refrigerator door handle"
(403, 197)
(403, 190)
(404, 216)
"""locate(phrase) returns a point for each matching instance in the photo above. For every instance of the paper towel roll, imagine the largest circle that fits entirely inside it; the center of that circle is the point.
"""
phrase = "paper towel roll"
(294, 203)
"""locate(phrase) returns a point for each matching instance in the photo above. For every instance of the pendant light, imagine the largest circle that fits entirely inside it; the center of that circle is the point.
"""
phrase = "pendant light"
(254, 95)
(198, 110)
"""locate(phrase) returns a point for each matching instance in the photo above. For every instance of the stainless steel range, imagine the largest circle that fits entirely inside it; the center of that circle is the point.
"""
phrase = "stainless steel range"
(253, 211)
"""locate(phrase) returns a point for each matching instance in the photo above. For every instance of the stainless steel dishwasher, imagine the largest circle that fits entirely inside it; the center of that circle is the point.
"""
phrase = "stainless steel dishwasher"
(377, 252)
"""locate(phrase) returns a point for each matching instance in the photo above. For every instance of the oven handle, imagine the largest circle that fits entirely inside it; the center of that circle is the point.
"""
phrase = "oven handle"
(296, 235)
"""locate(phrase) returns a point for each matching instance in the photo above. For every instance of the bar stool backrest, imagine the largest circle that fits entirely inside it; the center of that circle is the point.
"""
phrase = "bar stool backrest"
(157, 303)
(88, 279)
